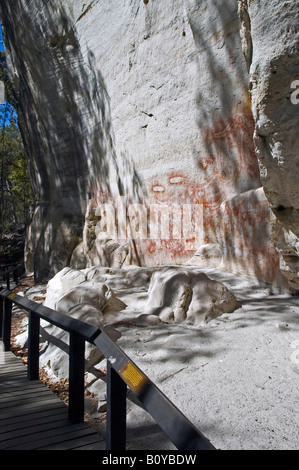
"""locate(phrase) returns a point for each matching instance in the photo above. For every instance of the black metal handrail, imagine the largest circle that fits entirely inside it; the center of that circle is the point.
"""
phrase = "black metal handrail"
(10, 270)
(122, 372)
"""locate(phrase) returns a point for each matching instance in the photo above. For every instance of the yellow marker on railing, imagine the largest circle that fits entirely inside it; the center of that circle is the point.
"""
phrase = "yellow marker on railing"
(133, 378)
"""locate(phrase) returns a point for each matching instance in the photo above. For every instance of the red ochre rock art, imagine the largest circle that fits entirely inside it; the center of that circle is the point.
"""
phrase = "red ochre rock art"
(234, 213)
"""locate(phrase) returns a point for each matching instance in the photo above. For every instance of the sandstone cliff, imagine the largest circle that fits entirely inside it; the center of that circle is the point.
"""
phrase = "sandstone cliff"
(160, 103)
(274, 73)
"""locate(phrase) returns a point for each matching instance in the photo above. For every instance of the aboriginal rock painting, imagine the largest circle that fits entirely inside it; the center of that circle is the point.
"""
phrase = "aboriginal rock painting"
(215, 200)
(241, 226)
(230, 164)
(225, 183)
(184, 200)
(225, 167)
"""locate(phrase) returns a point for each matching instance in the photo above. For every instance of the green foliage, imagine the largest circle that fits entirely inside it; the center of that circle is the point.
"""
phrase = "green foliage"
(15, 187)
(5, 79)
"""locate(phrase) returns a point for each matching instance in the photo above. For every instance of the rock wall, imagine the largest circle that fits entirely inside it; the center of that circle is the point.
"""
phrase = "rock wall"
(274, 70)
(149, 103)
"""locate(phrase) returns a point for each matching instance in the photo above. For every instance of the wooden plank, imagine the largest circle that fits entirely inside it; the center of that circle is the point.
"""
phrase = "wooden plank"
(25, 397)
(92, 442)
(26, 394)
(33, 417)
(19, 383)
(91, 446)
(48, 413)
(22, 408)
(11, 369)
(18, 431)
(35, 440)
(60, 438)
(7, 365)
(50, 420)
(22, 393)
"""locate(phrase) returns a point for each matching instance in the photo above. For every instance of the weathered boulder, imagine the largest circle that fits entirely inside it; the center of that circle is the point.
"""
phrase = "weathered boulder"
(54, 352)
(70, 293)
(61, 283)
(153, 295)
(187, 295)
(208, 255)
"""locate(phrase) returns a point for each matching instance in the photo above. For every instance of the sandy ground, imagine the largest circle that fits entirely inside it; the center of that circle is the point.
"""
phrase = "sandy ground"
(235, 378)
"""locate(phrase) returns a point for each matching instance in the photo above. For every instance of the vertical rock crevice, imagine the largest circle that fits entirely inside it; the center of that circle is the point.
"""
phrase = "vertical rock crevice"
(245, 31)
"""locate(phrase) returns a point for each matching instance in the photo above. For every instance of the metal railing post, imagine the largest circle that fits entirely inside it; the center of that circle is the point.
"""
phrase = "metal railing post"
(16, 275)
(6, 324)
(8, 280)
(116, 410)
(1, 316)
(33, 346)
(76, 378)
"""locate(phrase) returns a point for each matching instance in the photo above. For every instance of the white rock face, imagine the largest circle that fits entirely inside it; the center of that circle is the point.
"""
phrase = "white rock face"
(181, 135)
(273, 80)
(165, 116)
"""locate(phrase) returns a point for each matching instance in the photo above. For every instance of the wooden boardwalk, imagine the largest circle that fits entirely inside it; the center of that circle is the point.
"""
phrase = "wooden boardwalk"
(32, 417)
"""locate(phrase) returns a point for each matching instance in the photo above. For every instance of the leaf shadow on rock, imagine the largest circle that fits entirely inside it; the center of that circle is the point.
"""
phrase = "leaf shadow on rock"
(65, 120)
